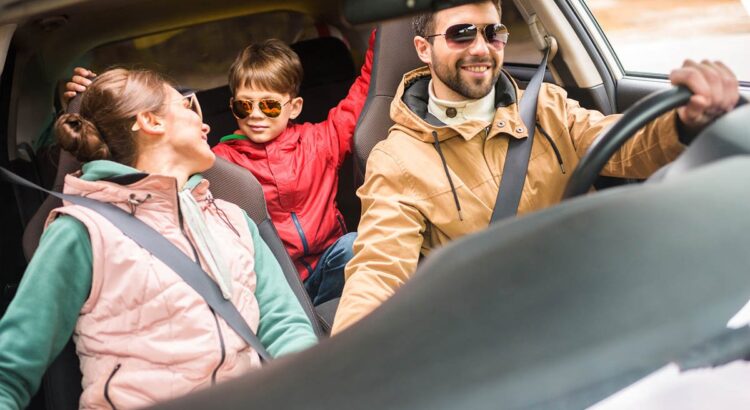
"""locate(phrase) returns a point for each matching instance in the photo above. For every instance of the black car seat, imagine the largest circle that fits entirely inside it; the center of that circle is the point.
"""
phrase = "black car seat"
(394, 56)
(329, 72)
(62, 382)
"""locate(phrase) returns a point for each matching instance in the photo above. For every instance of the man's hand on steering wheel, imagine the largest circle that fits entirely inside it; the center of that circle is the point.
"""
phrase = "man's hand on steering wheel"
(715, 92)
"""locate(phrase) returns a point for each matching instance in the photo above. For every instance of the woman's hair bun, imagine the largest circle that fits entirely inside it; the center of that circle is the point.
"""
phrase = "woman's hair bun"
(81, 138)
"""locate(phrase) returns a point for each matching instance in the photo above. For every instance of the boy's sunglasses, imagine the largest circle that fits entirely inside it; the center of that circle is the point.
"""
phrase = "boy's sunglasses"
(461, 36)
(269, 107)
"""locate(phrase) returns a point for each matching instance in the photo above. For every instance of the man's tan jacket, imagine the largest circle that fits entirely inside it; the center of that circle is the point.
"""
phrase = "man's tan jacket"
(409, 206)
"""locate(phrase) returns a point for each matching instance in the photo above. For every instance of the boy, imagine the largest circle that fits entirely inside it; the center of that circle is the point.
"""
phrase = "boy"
(297, 164)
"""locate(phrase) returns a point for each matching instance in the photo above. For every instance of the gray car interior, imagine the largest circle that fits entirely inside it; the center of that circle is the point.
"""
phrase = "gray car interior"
(557, 309)
(542, 311)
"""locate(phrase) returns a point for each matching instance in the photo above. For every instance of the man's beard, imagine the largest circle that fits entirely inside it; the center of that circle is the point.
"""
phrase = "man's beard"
(470, 89)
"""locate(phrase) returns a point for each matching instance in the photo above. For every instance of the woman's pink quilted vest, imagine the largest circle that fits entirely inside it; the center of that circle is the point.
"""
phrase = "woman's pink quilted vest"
(144, 335)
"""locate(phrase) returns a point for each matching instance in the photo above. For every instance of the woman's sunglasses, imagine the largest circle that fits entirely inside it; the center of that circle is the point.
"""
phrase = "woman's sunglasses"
(191, 102)
(461, 36)
(269, 107)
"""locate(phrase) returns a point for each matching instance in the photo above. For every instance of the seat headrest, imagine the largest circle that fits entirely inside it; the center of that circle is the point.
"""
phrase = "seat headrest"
(67, 164)
(394, 56)
(324, 60)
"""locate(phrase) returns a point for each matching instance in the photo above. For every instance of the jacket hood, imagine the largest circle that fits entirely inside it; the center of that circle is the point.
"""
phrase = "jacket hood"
(115, 172)
(131, 189)
(410, 114)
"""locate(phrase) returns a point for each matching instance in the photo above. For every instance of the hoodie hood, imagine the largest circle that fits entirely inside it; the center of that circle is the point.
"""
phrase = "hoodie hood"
(129, 188)
(111, 171)
(409, 110)
(410, 113)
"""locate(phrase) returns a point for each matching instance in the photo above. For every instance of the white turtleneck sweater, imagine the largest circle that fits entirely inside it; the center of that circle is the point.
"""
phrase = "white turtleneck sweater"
(482, 109)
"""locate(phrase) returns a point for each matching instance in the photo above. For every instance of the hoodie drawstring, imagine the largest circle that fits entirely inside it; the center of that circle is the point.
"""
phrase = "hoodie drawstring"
(222, 215)
(134, 202)
(450, 180)
(554, 147)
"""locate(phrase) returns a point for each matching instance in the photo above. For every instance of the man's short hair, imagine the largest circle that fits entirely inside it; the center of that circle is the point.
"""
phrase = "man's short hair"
(424, 24)
(270, 65)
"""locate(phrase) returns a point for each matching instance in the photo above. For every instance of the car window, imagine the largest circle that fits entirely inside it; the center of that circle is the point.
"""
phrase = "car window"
(199, 56)
(656, 36)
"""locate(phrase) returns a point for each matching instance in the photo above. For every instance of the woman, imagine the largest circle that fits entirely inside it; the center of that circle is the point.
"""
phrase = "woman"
(142, 334)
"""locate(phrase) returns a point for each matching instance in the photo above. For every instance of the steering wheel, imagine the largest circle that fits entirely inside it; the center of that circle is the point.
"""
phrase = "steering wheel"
(633, 119)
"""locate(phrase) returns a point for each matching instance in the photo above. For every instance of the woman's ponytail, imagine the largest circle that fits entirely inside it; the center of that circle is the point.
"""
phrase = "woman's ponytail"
(80, 137)
(103, 128)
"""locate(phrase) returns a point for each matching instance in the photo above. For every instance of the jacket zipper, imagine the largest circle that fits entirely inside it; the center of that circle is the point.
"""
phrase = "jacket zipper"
(223, 350)
(301, 234)
(554, 147)
(106, 386)
(197, 260)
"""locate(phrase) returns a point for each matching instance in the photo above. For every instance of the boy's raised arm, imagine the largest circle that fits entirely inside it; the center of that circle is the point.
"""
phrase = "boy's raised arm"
(338, 128)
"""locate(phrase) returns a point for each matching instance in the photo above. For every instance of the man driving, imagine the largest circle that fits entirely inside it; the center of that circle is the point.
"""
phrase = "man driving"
(437, 175)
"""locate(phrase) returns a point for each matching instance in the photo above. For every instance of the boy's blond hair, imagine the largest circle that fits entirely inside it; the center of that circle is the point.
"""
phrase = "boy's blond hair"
(270, 65)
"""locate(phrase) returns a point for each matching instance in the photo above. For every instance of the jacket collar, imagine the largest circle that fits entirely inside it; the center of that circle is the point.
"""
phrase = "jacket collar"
(240, 142)
(113, 182)
(410, 114)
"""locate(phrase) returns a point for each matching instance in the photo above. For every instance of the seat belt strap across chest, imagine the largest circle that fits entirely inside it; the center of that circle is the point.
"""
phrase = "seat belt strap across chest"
(154, 242)
(519, 150)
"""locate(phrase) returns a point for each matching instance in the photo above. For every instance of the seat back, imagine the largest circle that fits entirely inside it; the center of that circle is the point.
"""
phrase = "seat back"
(235, 184)
(394, 56)
(67, 164)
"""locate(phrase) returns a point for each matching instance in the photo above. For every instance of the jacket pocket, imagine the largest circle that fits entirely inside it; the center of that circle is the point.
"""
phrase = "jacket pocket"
(106, 386)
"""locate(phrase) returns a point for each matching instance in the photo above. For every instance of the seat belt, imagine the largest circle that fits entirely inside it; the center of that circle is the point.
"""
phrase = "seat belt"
(154, 242)
(519, 150)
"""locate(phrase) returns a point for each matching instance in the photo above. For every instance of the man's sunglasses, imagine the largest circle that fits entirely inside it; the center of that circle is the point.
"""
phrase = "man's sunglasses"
(461, 36)
(269, 107)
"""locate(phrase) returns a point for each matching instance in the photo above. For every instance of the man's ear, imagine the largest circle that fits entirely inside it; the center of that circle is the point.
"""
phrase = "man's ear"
(424, 49)
(296, 107)
(149, 123)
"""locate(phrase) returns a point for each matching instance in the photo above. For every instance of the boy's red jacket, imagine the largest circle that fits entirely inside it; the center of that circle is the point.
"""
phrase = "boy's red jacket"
(299, 174)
